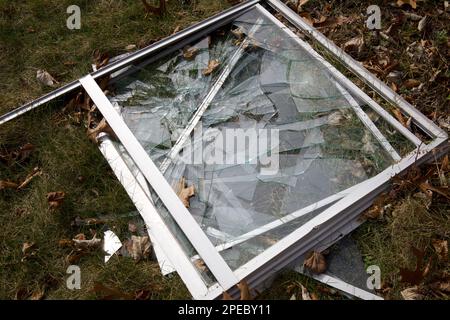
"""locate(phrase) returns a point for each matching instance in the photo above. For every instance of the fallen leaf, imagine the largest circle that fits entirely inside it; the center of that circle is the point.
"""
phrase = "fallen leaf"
(100, 59)
(104, 127)
(189, 53)
(45, 78)
(416, 276)
(38, 295)
(412, 3)
(441, 286)
(200, 264)
(355, 44)
(81, 242)
(441, 248)
(142, 295)
(226, 296)
(212, 65)
(335, 118)
(36, 172)
(74, 256)
(130, 47)
(69, 63)
(305, 293)
(398, 114)
(64, 243)
(27, 247)
(177, 29)
(238, 33)
(8, 185)
(185, 193)
(411, 83)
(307, 17)
(315, 262)
(394, 87)
(28, 250)
(22, 294)
(422, 23)
(314, 296)
(412, 293)
(55, 199)
(79, 222)
(138, 247)
(245, 290)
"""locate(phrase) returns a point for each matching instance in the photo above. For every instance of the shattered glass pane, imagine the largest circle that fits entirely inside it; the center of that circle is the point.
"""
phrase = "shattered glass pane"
(277, 134)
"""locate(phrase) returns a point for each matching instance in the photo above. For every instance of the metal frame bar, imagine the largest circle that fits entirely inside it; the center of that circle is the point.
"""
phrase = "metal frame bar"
(337, 283)
(215, 20)
(365, 119)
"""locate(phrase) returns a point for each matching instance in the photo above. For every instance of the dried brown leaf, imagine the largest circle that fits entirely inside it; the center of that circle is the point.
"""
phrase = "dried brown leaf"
(416, 276)
(443, 286)
(212, 65)
(104, 127)
(244, 290)
(200, 264)
(28, 247)
(185, 193)
(130, 47)
(81, 242)
(45, 78)
(138, 247)
(8, 185)
(412, 293)
(305, 293)
(355, 44)
(189, 53)
(441, 248)
(38, 294)
(55, 199)
(226, 296)
(36, 172)
(412, 3)
(315, 261)
(398, 114)
(411, 83)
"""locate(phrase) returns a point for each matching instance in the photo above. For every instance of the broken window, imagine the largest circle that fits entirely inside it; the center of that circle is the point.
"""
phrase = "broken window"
(243, 148)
